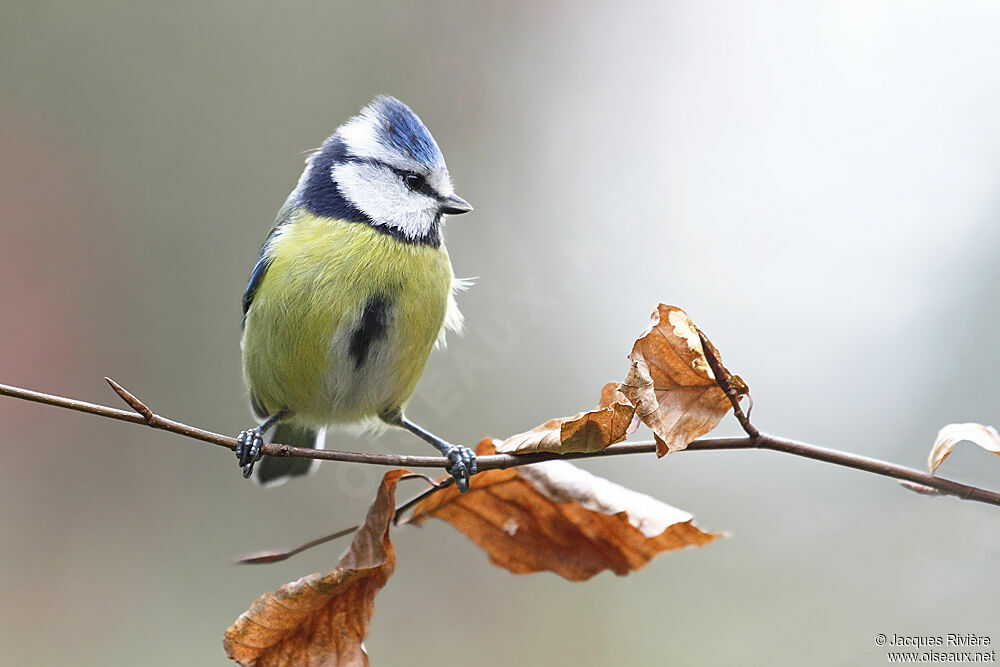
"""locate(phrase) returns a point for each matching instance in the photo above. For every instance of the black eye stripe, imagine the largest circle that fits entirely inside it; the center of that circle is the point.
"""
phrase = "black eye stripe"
(424, 187)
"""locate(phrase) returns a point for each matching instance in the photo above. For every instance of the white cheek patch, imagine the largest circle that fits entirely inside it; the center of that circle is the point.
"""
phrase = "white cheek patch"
(381, 195)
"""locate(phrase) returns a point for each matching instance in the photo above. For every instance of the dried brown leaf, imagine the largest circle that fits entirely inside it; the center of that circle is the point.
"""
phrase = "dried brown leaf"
(952, 434)
(591, 431)
(557, 517)
(322, 619)
(671, 383)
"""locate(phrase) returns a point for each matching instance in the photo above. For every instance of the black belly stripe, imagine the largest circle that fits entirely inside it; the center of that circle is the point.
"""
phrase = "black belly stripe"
(372, 327)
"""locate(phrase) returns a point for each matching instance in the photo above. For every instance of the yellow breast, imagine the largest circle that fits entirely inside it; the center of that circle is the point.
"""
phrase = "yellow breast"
(300, 342)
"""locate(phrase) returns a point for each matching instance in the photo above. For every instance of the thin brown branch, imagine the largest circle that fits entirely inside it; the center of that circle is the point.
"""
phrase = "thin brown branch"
(495, 461)
(722, 379)
(132, 401)
(402, 509)
(265, 557)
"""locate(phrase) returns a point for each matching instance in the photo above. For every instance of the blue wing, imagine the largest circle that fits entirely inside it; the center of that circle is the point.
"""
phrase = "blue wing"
(260, 268)
(256, 277)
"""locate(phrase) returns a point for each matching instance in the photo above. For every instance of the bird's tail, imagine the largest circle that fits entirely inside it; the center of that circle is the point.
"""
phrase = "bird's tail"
(275, 470)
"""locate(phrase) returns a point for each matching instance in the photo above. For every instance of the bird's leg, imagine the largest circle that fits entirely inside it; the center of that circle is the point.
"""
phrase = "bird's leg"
(250, 442)
(463, 459)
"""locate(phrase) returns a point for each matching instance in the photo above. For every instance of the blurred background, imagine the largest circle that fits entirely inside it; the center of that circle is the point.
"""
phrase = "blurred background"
(818, 185)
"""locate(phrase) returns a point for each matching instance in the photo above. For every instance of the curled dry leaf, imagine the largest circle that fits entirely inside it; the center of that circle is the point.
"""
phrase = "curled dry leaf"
(671, 383)
(952, 434)
(557, 517)
(611, 421)
(322, 619)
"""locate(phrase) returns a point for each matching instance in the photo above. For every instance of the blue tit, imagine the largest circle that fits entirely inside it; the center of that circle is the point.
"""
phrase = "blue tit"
(352, 289)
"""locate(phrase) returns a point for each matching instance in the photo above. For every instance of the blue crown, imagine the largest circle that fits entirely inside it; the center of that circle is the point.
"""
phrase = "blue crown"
(397, 126)
(394, 127)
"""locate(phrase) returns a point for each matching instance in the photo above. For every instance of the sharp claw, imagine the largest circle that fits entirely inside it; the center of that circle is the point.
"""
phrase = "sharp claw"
(240, 446)
(463, 466)
(248, 449)
(461, 481)
(255, 445)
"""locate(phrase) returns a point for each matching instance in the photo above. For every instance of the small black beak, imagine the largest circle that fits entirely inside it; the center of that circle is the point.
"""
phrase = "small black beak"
(455, 205)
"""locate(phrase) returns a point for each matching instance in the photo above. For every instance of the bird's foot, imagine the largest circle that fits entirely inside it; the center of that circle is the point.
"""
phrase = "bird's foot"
(248, 449)
(463, 465)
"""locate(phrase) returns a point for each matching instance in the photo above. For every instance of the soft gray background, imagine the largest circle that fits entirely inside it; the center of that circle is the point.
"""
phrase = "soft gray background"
(817, 184)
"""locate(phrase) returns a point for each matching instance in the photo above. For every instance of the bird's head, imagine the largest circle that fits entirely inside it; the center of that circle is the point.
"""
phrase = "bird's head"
(383, 167)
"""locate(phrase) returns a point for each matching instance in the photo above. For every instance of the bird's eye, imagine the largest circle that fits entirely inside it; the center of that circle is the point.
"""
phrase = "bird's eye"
(414, 181)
